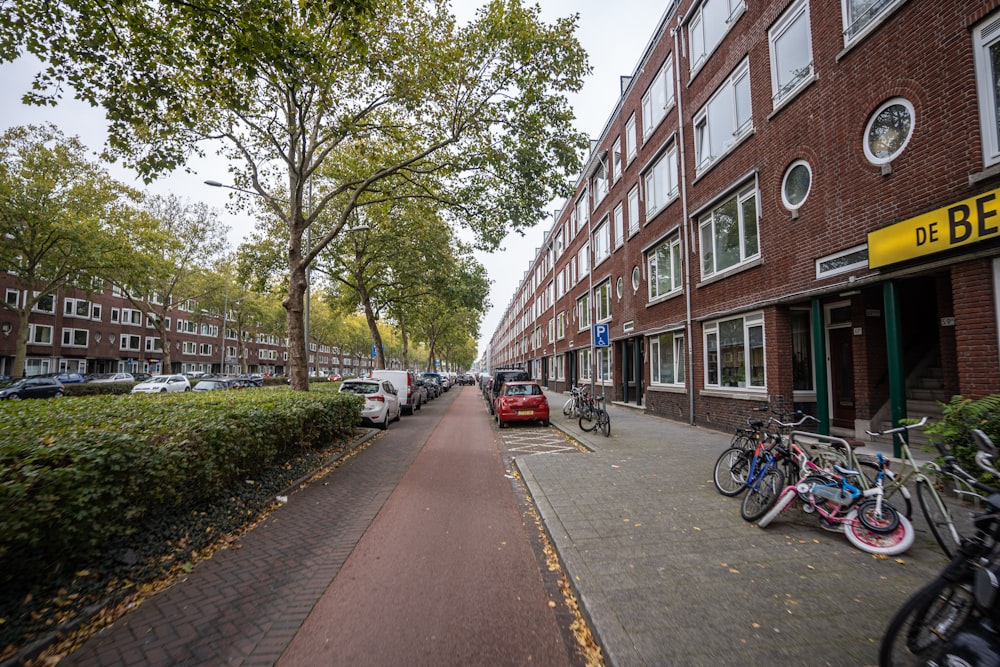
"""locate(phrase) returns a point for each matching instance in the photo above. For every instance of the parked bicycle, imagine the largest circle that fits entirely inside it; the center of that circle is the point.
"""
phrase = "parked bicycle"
(593, 415)
(730, 472)
(954, 619)
(773, 462)
(947, 529)
(577, 395)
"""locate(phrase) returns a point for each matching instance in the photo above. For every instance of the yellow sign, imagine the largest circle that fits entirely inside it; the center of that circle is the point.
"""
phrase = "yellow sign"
(968, 221)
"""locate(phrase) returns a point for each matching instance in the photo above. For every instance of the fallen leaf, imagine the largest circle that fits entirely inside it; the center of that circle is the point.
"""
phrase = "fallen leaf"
(733, 570)
(696, 528)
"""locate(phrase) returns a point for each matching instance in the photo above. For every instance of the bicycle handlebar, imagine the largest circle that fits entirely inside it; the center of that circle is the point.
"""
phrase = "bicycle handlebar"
(800, 422)
(898, 429)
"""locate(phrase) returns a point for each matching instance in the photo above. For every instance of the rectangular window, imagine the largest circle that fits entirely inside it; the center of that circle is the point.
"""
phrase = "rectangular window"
(630, 144)
(602, 301)
(791, 52)
(616, 159)
(129, 342)
(666, 364)
(986, 47)
(709, 25)
(619, 225)
(13, 298)
(131, 316)
(729, 233)
(861, 16)
(583, 261)
(40, 334)
(734, 353)
(205, 349)
(664, 263)
(661, 182)
(75, 337)
(852, 259)
(561, 326)
(599, 182)
(583, 312)
(95, 312)
(583, 365)
(604, 365)
(582, 211)
(189, 347)
(802, 356)
(46, 304)
(153, 344)
(633, 211)
(658, 98)
(602, 241)
(725, 119)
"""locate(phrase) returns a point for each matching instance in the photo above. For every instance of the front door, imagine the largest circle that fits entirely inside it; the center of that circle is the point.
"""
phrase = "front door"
(841, 367)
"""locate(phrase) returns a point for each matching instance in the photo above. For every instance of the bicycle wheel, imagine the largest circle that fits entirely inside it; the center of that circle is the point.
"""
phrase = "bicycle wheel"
(588, 419)
(762, 495)
(884, 521)
(875, 542)
(925, 623)
(568, 407)
(938, 518)
(604, 422)
(892, 489)
(730, 475)
(786, 499)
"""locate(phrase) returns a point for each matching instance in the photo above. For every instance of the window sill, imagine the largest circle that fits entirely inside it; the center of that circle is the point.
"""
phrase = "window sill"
(667, 388)
(739, 268)
(737, 394)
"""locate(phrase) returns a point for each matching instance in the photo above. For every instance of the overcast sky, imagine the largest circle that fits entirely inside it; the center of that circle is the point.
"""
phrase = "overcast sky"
(614, 34)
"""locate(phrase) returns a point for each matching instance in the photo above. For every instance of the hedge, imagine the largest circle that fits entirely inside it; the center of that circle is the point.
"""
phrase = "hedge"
(77, 473)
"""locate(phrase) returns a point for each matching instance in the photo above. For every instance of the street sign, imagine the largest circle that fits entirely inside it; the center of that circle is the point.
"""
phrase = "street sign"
(373, 350)
(601, 335)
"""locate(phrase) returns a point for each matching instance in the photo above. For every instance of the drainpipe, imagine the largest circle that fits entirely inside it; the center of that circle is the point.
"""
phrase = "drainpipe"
(675, 32)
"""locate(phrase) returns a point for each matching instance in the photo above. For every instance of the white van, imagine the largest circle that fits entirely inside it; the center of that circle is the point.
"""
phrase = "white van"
(406, 387)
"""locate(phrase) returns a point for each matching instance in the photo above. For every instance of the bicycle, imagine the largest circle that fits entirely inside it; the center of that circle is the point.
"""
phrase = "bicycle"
(594, 416)
(571, 408)
(940, 520)
(730, 471)
(765, 479)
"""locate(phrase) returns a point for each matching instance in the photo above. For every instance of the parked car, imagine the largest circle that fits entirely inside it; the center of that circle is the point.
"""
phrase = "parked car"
(142, 377)
(33, 387)
(521, 401)
(254, 379)
(336, 377)
(500, 376)
(212, 384)
(382, 403)
(405, 383)
(429, 388)
(113, 377)
(159, 384)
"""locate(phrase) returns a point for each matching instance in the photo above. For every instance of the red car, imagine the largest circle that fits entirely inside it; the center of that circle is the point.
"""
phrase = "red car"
(521, 401)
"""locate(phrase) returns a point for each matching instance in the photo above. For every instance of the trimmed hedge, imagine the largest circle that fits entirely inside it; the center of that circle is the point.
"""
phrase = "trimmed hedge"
(78, 473)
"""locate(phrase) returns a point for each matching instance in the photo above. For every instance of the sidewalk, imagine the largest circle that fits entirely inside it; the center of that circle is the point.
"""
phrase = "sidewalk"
(668, 572)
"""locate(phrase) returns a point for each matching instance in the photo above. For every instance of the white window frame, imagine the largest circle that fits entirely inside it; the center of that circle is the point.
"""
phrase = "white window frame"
(845, 261)
(582, 210)
(669, 343)
(599, 182)
(633, 211)
(39, 308)
(630, 140)
(986, 37)
(16, 302)
(131, 316)
(747, 323)
(618, 218)
(605, 364)
(616, 159)
(583, 364)
(35, 334)
(69, 336)
(602, 301)
(701, 45)
(71, 308)
(793, 19)
(661, 181)
(154, 344)
(855, 28)
(728, 100)
(602, 240)
(671, 246)
(866, 144)
(583, 261)
(130, 342)
(658, 98)
(583, 312)
(707, 222)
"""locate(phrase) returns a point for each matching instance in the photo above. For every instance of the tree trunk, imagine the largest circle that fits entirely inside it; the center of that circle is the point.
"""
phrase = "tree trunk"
(298, 356)
(20, 344)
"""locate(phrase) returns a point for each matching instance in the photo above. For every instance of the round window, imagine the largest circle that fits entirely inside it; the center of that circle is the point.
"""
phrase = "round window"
(635, 278)
(798, 180)
(619, 287)
(889, 130)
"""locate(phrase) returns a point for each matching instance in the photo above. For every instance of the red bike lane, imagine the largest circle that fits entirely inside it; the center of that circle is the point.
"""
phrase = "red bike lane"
(445, 575)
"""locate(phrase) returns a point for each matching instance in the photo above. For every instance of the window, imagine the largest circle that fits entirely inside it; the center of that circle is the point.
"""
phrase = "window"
(205, 349)
(666, 365)
(734, 352)
(129, 342)
(189, 347)
(116, 315)
(583, 312)
(619, 287)
(796, 184)
(616, 159)
(559, 243)
(75, 337)
(131, 316)
(153, 344)
(635, 278)
(602, 301)
(862, 16)
(561, 326)
(583, 261)
(725, 119)
(619, 225)
(802, 356)
(560, 284)
(729, 233)
(46, 304)
(986, 42)
(95, 312)
(852, 259)
(604, 365)
(582, 213)
(661, 182)
(602, 241)
(630, 139)
(709, 25)
(888, 131)
(583, 365)
(599, 182)
(664, 262)
(658, 98)
(633, 210)
(12, 298)
(560, 367)
(40, 334)
(791, 52)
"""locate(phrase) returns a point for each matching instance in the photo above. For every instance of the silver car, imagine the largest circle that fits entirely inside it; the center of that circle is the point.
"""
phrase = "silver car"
(382, 403)
(161, 384)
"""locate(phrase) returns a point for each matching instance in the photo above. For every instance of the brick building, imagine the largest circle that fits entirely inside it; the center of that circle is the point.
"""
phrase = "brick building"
(791, 202)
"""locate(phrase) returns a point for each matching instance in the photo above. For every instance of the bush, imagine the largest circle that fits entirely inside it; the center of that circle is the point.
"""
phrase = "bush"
(76, 474)
(954, 431)
(99, 388)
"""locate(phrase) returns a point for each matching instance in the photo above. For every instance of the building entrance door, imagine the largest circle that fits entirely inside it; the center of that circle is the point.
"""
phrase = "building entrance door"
(841, 365)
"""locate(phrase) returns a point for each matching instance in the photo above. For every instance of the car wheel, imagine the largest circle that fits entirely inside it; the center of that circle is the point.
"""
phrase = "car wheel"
(163, 391)
(385, 422)
(500, 422)
(187, 388)
(14, 397)
(58, 394)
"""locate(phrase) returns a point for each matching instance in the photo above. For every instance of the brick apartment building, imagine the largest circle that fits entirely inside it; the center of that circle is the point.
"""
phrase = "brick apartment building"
(98, 330)
(791, 202)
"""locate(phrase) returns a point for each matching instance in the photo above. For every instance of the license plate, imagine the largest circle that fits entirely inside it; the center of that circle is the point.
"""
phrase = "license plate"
(525, 412)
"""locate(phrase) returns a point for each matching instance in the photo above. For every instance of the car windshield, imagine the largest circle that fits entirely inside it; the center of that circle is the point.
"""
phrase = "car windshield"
(160, 379)
(523, 390)
(359, 387)
(210, 384)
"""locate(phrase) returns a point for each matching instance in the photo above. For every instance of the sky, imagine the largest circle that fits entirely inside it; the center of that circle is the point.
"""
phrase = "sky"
(614, 34)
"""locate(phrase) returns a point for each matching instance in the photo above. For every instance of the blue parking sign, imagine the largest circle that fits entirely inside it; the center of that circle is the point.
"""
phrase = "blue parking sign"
(602, 335)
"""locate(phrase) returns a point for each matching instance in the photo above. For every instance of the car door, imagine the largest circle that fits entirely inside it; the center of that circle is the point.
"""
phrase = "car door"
(391, 395)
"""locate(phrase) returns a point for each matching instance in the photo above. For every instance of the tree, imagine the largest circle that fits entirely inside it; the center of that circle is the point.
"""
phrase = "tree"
(347, 101)
(56, 208)
(169, 267)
